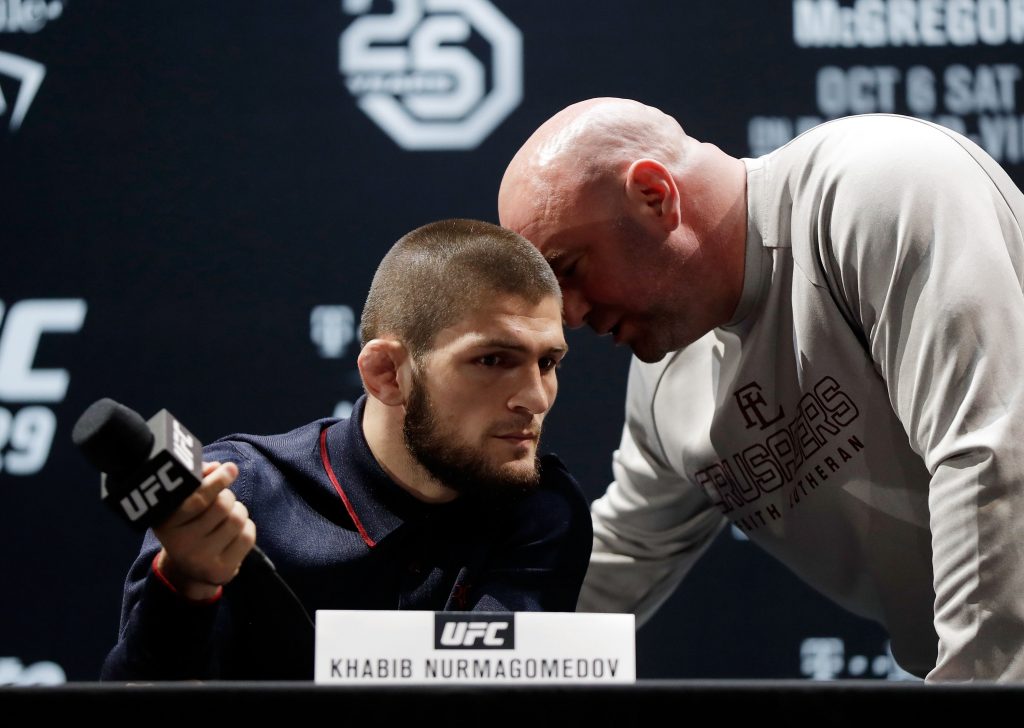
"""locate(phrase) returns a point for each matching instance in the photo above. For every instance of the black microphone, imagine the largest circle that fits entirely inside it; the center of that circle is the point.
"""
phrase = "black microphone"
(148, 468)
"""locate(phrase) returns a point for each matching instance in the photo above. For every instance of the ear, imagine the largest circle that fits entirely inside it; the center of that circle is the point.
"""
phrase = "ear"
(652, 191)
(380, 364)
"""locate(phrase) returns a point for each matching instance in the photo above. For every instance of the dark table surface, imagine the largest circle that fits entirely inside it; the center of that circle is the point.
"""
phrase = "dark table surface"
(802, 703)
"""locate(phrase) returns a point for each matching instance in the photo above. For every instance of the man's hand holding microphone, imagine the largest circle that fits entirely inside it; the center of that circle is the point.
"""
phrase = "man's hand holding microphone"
(207, 538)
(153, 478)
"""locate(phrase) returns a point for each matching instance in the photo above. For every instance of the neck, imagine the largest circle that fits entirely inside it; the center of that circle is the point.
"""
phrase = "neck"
(382, 428)
(716, 186)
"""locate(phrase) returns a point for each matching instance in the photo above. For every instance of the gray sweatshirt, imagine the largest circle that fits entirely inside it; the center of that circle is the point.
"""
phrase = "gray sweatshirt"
(862, 416)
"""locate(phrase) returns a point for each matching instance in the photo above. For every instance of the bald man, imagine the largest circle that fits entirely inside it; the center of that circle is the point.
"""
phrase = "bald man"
(828, 342)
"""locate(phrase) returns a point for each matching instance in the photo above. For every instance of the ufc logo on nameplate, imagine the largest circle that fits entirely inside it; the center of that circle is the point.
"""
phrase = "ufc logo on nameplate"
(462, 631)
(414, 74)
(424, 648)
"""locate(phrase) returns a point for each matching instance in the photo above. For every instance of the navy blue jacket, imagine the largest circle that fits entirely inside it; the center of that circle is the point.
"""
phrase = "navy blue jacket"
(345, 536)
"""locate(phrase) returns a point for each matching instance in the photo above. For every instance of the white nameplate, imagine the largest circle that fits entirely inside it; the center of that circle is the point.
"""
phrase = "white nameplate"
(473, 647)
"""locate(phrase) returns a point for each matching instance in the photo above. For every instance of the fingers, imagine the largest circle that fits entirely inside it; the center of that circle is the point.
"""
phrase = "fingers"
(242, 544)
(209, 549)
(207, 537)
(216, 480)
(209, 520)
(222, 522)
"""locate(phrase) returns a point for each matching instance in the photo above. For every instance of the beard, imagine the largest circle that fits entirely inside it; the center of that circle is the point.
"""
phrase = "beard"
(458, 466)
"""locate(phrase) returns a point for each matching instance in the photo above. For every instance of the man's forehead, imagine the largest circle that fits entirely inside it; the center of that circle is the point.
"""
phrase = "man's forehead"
(526, 216)
(560, 222)
(509, 322)
(569, 237)
(540, 204)
(549, 233)
(515, 338)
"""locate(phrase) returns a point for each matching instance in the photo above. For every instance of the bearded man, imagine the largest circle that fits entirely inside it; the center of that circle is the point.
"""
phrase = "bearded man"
(431, 496)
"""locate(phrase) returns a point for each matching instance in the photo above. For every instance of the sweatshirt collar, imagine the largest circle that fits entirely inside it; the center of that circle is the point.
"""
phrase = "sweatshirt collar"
(377, 505)
(757, 261)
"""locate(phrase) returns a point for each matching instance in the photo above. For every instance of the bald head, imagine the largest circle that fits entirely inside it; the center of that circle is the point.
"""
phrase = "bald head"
(587, 143)
(644, 226)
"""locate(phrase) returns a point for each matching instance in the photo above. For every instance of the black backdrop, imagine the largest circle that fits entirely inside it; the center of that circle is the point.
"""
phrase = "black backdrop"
(195, 195)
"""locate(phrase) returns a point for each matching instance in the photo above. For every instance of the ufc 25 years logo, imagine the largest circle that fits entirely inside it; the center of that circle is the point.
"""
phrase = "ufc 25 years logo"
(26, 434)
(480, 631)
(414, 73)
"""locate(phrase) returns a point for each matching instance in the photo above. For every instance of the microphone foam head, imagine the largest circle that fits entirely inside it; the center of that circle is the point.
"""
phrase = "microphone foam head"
(114, 438)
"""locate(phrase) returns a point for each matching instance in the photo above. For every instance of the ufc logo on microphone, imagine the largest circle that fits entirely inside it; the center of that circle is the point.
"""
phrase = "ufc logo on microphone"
(182, 445)
(471, 632)
(147, 494)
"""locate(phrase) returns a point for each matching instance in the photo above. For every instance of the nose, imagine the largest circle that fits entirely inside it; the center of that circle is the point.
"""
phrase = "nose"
(535, 391)
(574, 308)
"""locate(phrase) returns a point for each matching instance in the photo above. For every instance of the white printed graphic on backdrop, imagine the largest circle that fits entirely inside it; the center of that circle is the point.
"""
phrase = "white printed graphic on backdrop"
(28, 16)
(875, 23)
(824, 658)
(976, 99)
(415, 77)
(332, 329)
(29, 75)
(13, 672)
(26, 434)
(23, 16)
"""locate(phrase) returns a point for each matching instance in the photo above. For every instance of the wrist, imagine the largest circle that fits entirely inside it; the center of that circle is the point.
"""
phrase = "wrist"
(191, 589)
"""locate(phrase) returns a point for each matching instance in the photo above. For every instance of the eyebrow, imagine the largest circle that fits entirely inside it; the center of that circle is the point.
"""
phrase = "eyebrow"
(514, 346)
(554, 256)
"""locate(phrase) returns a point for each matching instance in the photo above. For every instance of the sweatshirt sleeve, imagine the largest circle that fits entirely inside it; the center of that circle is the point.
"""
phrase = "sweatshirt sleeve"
(652, 524)
(163, 636)
(924, 248)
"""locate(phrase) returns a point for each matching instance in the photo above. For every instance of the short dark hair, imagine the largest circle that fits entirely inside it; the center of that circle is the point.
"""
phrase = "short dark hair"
(432, 276)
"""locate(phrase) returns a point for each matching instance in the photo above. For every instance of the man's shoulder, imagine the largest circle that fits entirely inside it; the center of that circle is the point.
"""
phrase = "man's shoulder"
(280, 456)
(874, 143)
(251, 445)
(876, 127)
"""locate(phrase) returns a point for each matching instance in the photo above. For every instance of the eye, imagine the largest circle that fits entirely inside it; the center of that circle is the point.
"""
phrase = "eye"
(489, 360)
(549, 363)
(568, 271)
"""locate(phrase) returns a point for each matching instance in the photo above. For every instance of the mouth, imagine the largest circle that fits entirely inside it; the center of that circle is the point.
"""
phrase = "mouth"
(519, 438)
